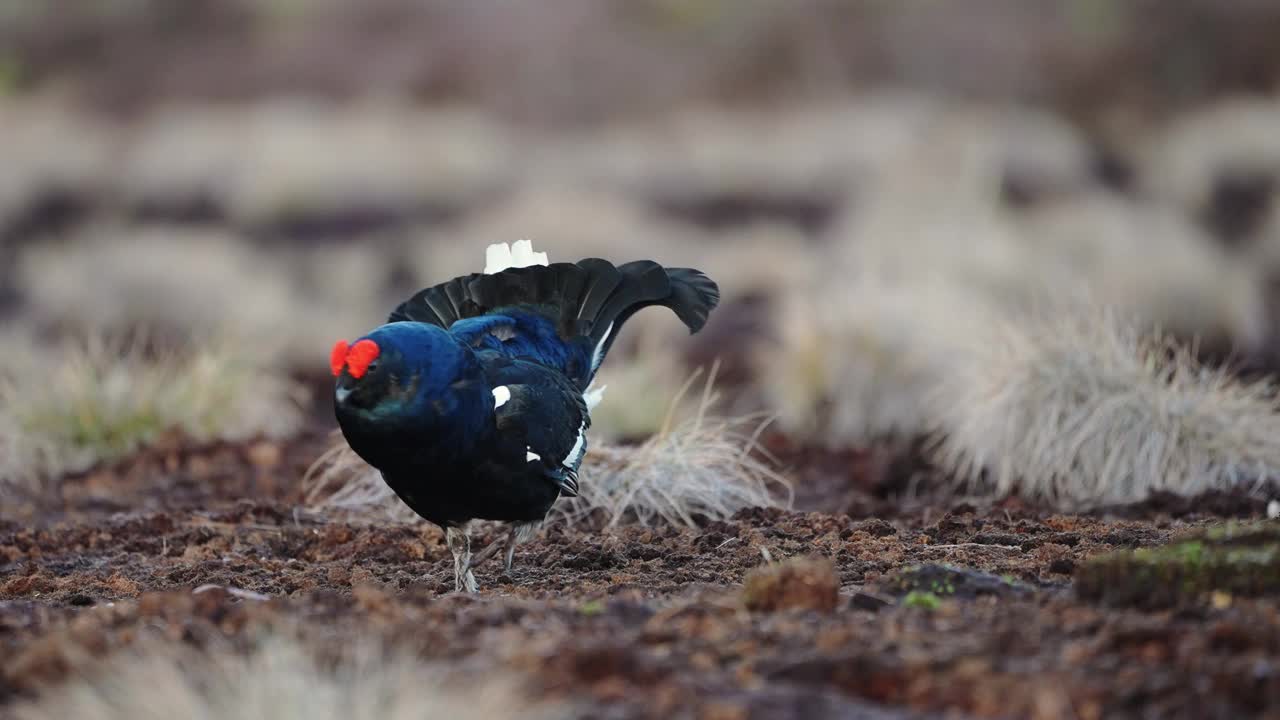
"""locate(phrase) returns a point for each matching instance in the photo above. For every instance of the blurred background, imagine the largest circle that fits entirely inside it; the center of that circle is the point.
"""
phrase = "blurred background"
(874, 184)
(945, 232)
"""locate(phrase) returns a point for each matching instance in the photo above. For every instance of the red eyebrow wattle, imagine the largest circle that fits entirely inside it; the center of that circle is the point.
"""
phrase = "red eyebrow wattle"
(359, 357)
(338, 357)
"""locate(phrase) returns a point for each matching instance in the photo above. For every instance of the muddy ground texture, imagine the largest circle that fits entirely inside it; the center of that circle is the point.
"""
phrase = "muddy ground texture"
(920, 608)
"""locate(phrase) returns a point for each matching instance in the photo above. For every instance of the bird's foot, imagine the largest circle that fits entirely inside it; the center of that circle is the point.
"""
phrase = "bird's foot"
(464, 580)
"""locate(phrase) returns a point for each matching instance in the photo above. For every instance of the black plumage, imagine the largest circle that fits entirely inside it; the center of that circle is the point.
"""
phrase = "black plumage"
(472, 405)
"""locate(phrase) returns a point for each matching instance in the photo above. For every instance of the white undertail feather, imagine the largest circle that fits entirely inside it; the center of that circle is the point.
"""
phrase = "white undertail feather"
(500, 396)
(593, 396)
(500, 256)
(530, 456)
(522, 254)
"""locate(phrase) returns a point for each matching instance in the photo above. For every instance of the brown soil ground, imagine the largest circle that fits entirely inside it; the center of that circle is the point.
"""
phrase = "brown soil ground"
(642, 622)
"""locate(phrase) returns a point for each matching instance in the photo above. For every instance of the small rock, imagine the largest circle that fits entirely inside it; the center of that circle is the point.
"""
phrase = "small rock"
(798, 583)
(949, 581)
(338, 575)
(1064, 566)
(867, 601)
(876, 527)
(230, 592)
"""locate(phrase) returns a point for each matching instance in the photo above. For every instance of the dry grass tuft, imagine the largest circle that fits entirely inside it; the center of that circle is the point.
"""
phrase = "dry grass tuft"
(1086, 409)
(340, 481)
(278, 679)
(640, 377)
(99, 400)
(702, 467)
(635, 403)
(908, 295)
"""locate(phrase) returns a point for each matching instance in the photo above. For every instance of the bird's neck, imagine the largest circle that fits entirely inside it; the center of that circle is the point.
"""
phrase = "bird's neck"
(444, 425)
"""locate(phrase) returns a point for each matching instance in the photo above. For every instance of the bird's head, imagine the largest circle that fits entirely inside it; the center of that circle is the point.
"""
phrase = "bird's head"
(402, 373)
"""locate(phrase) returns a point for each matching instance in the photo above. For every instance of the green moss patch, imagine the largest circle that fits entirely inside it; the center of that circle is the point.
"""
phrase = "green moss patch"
(922, 600)
(100, 400)
(1226, 560)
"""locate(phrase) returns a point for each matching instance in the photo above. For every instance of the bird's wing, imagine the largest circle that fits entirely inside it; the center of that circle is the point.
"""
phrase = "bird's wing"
(539, 411)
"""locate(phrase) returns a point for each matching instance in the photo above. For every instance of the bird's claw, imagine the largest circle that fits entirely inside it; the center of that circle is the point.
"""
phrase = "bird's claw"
(467, 583)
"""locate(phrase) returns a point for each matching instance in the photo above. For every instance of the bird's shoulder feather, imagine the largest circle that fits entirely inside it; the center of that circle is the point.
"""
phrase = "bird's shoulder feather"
(523, 332)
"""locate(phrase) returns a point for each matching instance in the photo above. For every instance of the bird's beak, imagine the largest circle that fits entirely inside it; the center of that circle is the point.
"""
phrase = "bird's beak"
(340, 394)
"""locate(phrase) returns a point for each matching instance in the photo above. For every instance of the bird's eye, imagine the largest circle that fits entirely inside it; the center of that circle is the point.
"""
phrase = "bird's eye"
(373, 367)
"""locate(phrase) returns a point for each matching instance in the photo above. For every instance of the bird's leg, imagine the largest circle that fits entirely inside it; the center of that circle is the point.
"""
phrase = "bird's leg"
(511, 552)
(520, 533)
(517, 533)
(460, 545)
(452, 539)
(486, 553)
